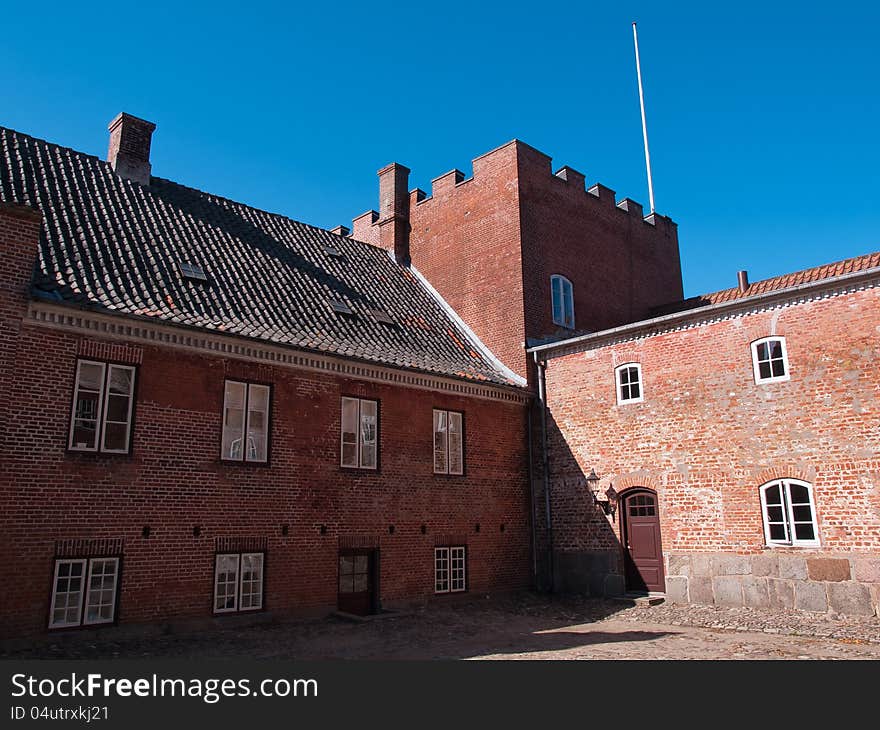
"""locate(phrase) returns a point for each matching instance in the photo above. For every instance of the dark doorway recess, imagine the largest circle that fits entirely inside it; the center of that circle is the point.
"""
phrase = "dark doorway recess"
(358, 568)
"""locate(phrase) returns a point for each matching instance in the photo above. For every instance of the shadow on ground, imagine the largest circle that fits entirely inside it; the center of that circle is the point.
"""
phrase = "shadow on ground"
(511, 625)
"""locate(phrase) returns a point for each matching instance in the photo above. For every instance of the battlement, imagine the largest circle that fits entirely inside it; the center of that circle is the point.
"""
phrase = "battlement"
(517, 160)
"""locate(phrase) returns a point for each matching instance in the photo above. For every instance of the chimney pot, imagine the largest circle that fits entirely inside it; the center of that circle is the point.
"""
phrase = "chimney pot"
(129, 150)
(743, 281)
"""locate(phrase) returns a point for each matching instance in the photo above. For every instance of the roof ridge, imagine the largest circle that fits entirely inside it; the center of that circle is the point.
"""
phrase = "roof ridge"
(187, 187)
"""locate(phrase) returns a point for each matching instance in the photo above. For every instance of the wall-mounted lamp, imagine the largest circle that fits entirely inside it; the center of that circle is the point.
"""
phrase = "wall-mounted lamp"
(608, 505)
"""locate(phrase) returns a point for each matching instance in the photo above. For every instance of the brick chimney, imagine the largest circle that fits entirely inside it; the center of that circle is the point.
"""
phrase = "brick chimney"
(394, 211)
(129, 151)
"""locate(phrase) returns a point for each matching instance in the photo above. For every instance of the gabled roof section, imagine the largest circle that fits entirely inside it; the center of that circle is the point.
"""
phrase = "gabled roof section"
(116, 246)
(776, 283)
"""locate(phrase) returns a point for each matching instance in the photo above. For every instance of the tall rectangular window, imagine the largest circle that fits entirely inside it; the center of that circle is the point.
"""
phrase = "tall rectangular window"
(84, 592)
(103, 407)
(450, 569)
(359, 439)
(562, 301)
(246, 422)
(448, 442)
(238, 582)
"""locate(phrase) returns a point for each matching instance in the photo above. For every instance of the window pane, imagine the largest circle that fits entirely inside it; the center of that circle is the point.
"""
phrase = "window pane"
(774, 349)
(456, 445)
(252, 580)
(556, 295)
(634, 391)
(349, 432)
(771, 495)
(440, 442)
(87, 405)
(568, 304)
(368, 433)
(116, 437)
(121, 380)
(233, 420)
(763, 352)
(764, 370)
(802, 513)
(226, 583)
(67, 593)
(804, 531)
(101, 596)
(441, 570)
(798, 494)
(777, 532)
(778, 367)
(774, 513)
(457, 568)
(258, 423)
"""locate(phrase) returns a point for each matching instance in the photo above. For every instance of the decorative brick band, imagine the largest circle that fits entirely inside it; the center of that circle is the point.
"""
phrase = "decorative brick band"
(112, 352)
(359, 541)
(233, 544)
(89, 547)
(459, 539)
(65, 318)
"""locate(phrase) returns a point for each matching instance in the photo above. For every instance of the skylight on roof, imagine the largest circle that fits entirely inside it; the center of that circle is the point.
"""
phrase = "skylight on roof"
(380, 315)
(340, 307)
(334, 252)
(194, 272)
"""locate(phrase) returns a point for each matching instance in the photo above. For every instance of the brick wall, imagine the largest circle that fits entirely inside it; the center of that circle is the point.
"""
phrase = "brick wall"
(174, 481)
(707, 437)
(490, 243)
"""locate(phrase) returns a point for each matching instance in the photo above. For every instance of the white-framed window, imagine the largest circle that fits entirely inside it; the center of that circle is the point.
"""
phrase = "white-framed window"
(103, 405)
(562, 300)
(246, 409)
(630, 388)
(770, 360)
(448, 442)
(359, 438)
(238, 582)
(789, 513)
(450, 569)
(84, 592)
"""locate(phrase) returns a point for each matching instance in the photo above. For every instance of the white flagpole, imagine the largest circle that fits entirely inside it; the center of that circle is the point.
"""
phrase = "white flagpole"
(644, 123)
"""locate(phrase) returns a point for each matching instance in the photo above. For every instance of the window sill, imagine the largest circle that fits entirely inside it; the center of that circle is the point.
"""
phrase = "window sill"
(248, 464)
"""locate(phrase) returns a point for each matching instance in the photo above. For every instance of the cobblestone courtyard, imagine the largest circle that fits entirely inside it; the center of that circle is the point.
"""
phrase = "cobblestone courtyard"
(524, 626)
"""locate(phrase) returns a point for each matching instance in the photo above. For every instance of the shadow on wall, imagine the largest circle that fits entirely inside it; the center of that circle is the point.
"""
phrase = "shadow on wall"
(586, 556)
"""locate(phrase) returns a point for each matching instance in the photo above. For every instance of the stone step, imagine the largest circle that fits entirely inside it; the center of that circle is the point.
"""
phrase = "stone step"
(640, 599)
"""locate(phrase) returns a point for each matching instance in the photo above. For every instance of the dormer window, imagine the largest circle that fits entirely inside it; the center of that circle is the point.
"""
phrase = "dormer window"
(563, 301)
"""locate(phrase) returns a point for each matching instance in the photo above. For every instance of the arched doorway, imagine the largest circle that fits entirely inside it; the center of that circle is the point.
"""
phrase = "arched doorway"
(642, 548)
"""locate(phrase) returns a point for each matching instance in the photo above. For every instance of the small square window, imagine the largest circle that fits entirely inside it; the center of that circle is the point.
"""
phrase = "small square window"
(450, 569)
(770, 360)
(238, 582)
(84, 592)
(628, 379)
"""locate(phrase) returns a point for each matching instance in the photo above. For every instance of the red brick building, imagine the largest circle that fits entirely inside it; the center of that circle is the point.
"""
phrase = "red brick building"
(211, 410)
(737, 436)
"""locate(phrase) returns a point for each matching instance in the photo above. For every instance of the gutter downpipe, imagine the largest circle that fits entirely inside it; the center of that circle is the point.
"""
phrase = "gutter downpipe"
(532, 515)
(545, 464)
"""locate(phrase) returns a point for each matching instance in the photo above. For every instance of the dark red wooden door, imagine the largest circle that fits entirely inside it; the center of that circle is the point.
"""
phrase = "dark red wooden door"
(356, 582)
(644, 554)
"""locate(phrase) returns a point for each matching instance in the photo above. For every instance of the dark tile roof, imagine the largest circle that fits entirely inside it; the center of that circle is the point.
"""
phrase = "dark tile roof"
(785, 281)
(116, 246)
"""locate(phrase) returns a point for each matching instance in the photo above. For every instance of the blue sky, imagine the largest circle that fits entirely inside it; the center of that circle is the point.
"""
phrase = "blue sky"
(763, 117)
